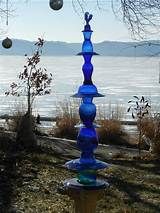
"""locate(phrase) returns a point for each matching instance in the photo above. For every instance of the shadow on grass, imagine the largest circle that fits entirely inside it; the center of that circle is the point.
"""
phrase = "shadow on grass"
(132, 192)
(149, 166)
(8, 175)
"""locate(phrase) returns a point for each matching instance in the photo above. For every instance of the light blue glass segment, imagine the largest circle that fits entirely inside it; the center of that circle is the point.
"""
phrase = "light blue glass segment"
(87, 35)
(87, 46)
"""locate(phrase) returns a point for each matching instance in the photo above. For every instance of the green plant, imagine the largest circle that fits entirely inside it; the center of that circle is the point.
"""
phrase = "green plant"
(139, 108)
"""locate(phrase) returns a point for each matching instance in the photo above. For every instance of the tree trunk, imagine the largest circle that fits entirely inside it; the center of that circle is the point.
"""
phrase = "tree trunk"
(140, 136)
(29, 101)
(25, 134)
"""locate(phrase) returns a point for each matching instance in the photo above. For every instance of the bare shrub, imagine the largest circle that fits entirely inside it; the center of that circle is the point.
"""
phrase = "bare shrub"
(139, 108)
(151, 129)
(148, 126)
(17, 112)
(110, 130)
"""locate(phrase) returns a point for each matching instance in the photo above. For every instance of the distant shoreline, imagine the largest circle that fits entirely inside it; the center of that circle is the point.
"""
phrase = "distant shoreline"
(53, 119)
(109, 56)
(105, 48)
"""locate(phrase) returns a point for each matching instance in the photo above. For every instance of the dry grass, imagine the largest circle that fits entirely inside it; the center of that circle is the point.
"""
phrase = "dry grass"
(17, 112)
(151, 129)
(110, 112)
(67, 119)
(65, 127)
(111, 132)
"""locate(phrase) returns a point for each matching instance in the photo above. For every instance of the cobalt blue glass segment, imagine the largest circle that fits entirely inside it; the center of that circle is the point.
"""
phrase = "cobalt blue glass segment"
(87, 91)
(87, 112)
(78, 165)
(87, 69)
(87, 140)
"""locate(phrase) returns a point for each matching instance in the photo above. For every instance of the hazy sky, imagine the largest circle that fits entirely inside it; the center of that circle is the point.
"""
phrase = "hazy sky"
(35, 18)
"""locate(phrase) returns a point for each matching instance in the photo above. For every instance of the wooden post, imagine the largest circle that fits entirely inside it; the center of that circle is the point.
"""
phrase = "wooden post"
(85, 196)
(85, 201)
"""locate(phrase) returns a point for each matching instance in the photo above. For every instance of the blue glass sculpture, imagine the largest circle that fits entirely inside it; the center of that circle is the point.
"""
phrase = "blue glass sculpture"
(87, 140)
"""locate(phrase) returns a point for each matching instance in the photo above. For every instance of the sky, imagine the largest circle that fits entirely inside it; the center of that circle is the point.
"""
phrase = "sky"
(34, 18)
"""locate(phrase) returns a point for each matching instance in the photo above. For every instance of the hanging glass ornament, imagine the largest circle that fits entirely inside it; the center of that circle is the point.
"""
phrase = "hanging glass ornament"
(56, 4)
(7, 43)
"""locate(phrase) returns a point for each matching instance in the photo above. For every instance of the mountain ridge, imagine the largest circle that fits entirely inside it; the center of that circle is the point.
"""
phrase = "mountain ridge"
(104, 48)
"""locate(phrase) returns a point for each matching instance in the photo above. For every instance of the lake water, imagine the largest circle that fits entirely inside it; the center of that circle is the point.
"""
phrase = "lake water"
(118, 78)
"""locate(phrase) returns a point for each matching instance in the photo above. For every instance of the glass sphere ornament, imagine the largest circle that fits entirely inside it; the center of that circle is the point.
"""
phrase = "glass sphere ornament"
(7, 43)
(56, 4)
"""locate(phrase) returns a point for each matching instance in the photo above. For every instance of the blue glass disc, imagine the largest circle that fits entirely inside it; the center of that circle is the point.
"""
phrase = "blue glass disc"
(87, 90)
(76, 164)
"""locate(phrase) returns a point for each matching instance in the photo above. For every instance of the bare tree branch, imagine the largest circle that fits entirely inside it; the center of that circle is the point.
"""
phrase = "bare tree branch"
(142, 17)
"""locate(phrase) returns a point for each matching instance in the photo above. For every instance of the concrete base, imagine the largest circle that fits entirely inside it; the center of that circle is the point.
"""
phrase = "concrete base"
(85, 196)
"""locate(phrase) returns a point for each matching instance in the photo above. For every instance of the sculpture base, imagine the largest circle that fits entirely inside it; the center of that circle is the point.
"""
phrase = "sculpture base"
(85, 196)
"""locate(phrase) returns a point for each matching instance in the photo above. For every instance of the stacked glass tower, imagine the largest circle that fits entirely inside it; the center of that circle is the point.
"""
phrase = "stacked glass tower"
(87, 140)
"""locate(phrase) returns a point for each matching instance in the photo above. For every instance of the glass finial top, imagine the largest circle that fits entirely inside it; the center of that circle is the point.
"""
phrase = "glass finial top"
(87, 18)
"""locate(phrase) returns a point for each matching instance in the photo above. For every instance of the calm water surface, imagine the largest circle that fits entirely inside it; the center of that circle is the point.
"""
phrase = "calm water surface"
(118, 78)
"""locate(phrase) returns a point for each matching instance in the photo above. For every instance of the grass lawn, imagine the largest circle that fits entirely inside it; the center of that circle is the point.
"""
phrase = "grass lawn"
(31, 182)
